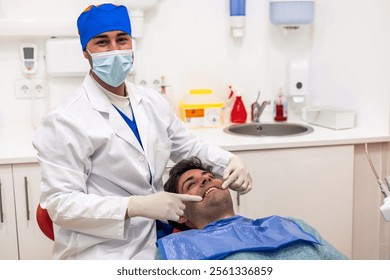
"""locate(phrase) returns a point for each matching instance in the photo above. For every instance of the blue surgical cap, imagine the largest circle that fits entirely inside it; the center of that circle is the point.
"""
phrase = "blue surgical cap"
(98, 19)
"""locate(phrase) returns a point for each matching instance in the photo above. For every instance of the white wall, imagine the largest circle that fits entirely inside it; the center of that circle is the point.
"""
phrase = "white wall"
(351, 58)
(189, 42)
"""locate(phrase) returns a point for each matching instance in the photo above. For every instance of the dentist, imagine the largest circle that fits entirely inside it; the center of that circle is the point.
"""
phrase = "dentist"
(104, 148)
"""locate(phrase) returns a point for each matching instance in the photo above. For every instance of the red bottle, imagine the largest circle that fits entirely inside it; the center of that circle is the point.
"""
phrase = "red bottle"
(238, 114)
(280, 111)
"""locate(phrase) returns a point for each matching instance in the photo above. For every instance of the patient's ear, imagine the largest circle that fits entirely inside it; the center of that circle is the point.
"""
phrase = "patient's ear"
(182, 219)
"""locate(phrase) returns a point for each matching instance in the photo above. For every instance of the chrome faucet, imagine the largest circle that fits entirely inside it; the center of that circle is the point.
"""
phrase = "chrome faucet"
(258, 109)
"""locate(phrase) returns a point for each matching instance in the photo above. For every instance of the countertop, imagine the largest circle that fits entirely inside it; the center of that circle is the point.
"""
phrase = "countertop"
(16, 144)
(320, 136)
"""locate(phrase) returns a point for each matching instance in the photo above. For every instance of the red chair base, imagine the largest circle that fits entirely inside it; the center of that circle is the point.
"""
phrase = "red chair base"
(44, 222)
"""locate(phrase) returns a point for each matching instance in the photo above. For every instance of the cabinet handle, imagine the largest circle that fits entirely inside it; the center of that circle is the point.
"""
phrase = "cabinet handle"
(27, 204)
(1, 207)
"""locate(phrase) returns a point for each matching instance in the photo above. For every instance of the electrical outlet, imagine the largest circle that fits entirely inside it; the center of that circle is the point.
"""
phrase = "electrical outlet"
(22, 89)
(26, 88)
(37, 88)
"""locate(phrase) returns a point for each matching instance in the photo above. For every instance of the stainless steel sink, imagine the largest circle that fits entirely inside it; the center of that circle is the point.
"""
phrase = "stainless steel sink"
(268, 129)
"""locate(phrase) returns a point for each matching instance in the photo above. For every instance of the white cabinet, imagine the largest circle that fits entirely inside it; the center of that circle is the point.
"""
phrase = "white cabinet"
(312, 184)
(19, 232)
(8, 235)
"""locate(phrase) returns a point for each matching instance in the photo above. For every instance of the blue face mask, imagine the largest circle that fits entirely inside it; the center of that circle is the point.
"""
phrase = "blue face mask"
(112, 67)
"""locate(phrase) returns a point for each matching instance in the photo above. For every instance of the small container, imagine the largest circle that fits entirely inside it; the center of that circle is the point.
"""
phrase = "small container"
(280, 110)
(202, 108)
(238, 114)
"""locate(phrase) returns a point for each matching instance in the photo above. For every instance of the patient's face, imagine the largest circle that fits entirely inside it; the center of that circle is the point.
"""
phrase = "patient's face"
(199, 182)
(216, 203)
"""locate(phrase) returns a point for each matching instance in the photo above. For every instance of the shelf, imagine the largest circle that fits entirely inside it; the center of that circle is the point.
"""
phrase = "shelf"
(38, 28)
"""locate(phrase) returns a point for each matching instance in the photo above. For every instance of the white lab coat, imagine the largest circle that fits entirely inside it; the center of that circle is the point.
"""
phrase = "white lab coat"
(92, 162)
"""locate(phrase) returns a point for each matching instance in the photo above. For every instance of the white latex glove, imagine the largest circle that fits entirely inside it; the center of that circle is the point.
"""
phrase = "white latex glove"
(237, 176)
(160, 206)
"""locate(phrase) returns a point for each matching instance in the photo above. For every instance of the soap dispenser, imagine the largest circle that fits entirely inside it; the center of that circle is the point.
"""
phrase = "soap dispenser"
(238, 113)
(280, 109)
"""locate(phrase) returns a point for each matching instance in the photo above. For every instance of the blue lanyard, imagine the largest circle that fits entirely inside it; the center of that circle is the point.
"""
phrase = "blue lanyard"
(132, 124)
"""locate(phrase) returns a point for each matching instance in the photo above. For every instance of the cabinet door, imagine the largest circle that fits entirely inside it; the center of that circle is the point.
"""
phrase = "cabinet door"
(312, 184)
(33, 244)
(8, 236)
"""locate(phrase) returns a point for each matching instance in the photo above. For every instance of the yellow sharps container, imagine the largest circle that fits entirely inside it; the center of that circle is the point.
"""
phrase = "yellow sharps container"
(201, 108)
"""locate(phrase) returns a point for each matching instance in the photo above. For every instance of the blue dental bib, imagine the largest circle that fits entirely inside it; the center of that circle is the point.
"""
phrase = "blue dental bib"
(232, 235)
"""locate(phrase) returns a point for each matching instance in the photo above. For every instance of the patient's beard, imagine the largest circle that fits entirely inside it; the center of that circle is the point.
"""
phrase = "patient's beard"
(215, 207)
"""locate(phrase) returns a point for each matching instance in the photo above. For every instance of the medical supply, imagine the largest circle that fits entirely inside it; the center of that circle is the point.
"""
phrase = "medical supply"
(237, 17)
(201, 108)
(280, 109)
(236, 171)
(329, 117)
(238, 113)
(112, 67)
(89, 23)
(160, 205)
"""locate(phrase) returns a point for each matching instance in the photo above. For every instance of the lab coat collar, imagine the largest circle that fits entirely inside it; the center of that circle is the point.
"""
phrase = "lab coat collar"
(100, 102)
(134, 95)
(98, 98)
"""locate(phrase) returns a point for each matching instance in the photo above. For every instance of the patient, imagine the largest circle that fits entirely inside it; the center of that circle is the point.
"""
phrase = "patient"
(216, 232)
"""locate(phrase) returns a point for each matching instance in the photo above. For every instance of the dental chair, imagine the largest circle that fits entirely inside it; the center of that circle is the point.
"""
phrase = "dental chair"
(44, 222)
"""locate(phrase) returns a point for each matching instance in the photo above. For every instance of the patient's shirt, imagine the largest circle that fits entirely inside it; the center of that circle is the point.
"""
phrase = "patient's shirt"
(233, 235)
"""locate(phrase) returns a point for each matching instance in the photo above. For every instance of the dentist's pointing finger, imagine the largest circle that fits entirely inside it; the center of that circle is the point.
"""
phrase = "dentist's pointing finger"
(159, 206)
(189, 197)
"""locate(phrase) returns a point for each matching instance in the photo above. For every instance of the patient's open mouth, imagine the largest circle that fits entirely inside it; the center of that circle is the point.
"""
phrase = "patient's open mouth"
(209, 191)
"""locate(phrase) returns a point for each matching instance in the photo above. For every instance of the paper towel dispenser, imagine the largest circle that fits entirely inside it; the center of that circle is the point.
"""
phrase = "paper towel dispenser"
(64, 58)
(291, 13)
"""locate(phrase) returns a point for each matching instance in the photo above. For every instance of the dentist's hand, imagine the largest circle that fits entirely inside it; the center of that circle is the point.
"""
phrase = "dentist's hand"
(237, 176)
(160, 206)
